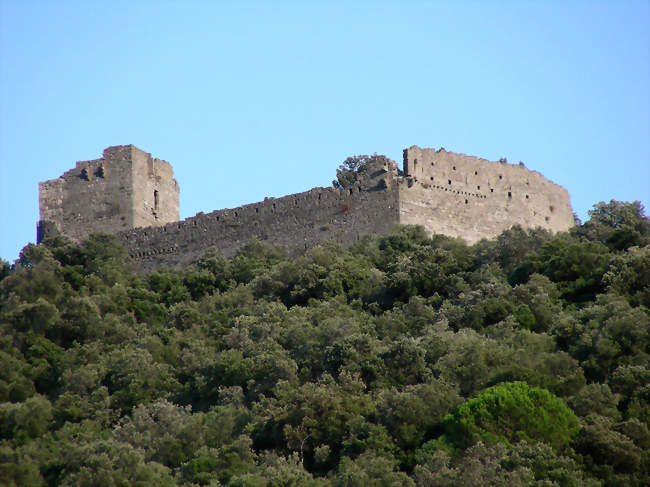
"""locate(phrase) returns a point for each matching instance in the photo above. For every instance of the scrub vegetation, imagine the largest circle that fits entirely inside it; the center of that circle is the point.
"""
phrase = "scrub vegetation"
(405, 360)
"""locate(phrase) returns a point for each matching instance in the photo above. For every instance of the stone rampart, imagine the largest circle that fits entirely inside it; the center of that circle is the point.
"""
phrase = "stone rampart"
(298, 222)
(472, 198)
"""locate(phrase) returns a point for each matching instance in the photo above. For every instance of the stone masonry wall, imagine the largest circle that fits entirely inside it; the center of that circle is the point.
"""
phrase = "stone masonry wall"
(155, 191)
(92, 197)
(129, 193)
(110, 194)
(472, 198)
(297, 222)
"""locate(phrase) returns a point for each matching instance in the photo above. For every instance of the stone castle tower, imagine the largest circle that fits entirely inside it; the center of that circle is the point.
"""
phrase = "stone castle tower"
(125, 189)
(129, 193)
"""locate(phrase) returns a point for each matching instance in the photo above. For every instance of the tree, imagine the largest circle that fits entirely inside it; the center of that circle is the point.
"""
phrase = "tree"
(511, 412)
(353, 167)
(617, 224)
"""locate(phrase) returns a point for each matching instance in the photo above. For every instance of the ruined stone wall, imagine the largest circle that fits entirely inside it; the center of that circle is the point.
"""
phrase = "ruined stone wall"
(473, 198)
(110, 194)
(298, 222)
(155, 191)
(447, 193)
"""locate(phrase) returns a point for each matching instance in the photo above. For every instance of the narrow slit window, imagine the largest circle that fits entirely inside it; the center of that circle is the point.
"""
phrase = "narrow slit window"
(509, 194)
(155, 200)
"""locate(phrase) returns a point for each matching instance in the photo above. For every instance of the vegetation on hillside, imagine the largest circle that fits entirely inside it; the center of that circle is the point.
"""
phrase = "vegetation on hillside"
(402, 361)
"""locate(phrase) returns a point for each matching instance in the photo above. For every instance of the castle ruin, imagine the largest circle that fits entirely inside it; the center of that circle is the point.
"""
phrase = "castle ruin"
(131, 194)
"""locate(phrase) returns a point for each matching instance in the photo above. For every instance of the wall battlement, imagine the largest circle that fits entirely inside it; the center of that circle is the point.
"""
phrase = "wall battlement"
(129, 193)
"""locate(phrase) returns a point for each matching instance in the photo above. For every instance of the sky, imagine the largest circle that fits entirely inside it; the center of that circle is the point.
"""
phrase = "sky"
(255, 99)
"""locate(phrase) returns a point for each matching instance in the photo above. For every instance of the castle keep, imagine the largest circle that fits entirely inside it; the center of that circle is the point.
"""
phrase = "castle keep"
(131, 194)
(125, 189)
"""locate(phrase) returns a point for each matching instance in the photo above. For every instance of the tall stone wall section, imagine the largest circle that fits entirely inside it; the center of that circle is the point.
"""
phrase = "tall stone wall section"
(298, 222)
(472, 198)
(125, 188)
(155, 191)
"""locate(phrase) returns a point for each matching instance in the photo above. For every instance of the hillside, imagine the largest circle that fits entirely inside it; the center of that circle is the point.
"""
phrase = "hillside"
(402, 361)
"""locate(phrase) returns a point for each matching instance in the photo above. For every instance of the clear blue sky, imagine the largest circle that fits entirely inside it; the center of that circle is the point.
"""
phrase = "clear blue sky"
(255, 99)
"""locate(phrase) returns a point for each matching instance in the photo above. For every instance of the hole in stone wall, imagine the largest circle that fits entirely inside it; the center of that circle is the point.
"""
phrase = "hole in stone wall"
(454, 168)
(431, 178)
(500, 176)
(526, 196)
(448, 181)
(465, 201)
(478, 187)
(552, 208)
(546, 218)
(351, 190)
(433, 163)
(475, 173)
(257, 210)
(155, 199)
(491, 190)
(509, 194)
(235, 213)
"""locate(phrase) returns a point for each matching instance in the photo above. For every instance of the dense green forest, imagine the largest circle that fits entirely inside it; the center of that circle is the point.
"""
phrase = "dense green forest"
(406, 360)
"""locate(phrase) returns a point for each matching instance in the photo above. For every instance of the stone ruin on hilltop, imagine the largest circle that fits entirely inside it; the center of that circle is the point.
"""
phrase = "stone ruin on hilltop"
(135, 196)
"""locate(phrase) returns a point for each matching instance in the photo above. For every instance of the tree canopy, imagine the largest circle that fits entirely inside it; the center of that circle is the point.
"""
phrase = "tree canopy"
(406, 359)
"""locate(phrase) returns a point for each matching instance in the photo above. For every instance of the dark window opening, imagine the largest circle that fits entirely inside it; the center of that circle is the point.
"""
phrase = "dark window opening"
(509, 194)
(433, 163)
(465, 201)
(257, 210)
(478, 187)
(500, 177)
(155, 200)
(351, 190)
(454, 168)
(491, 190)
(546, 218)
(552, 208)
(448, 181)
(431, 178)
(475, 173)
(526, 196)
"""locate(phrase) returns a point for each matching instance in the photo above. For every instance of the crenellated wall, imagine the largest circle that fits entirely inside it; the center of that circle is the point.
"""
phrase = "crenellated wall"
(131, 194)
